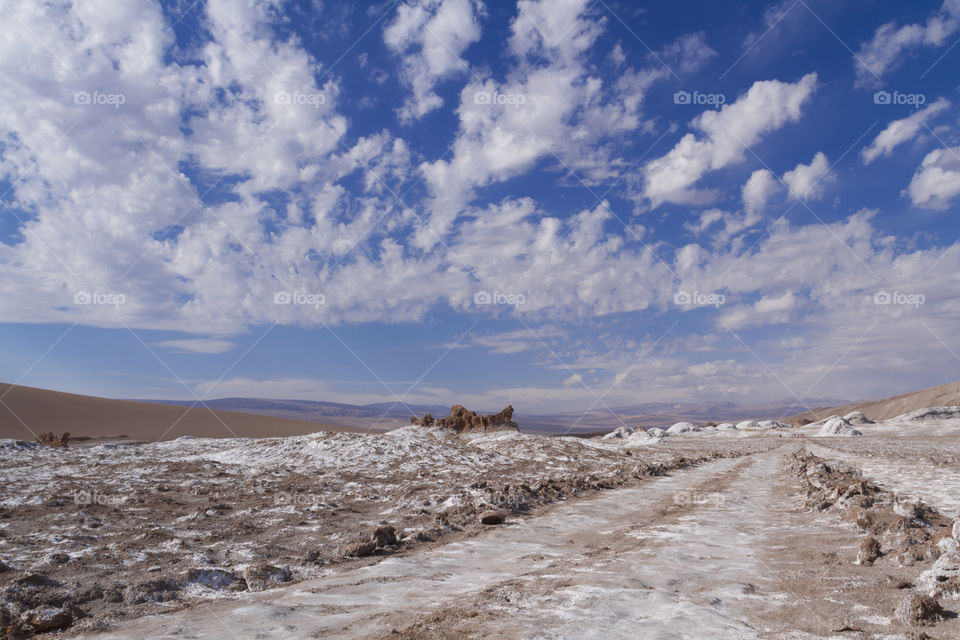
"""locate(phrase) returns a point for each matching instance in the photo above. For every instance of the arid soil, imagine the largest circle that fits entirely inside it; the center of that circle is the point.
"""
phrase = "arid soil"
(345, 535)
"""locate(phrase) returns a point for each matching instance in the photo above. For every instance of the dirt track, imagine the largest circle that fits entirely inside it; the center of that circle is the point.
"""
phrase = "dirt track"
(729, 549)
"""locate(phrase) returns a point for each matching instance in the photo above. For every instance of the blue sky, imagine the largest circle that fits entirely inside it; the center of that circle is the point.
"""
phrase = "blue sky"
(563, 205)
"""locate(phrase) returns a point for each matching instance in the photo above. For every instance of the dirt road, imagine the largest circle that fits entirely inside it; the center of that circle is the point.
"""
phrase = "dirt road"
(724, 550)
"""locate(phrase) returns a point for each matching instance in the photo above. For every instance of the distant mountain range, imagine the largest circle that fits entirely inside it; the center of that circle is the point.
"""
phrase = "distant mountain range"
(389, 415)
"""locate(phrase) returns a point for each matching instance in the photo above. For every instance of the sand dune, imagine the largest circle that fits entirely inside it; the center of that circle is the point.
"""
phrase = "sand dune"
(27, 411)
(943, 396)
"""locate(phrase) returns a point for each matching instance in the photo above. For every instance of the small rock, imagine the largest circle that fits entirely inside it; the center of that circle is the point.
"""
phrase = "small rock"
(212, 578)
(956, 530)
(491, 517)
(385, 536)
(869, 551)
(154, 568)
(58, 558)
(37, 580)
(359, 549)
(918, 609)
(47, 618)
(906, 508)
(264, 576)
(4, 567)
(898, 583)
(310, 556)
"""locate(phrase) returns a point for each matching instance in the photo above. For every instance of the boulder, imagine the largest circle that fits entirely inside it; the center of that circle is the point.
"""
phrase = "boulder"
(491, 517)
(869, 551)
(264, 576)
(47, 618)
(212, 578)
(385, 536)
(917, 609)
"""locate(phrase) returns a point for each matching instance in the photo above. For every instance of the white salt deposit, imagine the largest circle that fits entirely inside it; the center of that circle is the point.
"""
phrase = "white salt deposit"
(682, 427)
(619, 432)
(726, 426)
(837, 427)
(857, 418)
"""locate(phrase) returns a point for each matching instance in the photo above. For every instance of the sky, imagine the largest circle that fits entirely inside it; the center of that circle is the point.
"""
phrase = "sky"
(560, 204)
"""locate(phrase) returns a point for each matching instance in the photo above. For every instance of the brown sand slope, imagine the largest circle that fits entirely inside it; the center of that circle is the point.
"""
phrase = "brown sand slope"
(942, 396)
(26, 411)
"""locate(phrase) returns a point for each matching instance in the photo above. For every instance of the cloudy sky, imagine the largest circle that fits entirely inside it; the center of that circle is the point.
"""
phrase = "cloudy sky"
(562, 204)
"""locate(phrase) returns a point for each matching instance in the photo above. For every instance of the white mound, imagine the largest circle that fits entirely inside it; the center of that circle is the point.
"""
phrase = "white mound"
(931, 415)
(642, 438)
(682, 427)
(619, 432)
(857, 418)
(748, 424)
(726, 426)
(773, 424)
(837, 427)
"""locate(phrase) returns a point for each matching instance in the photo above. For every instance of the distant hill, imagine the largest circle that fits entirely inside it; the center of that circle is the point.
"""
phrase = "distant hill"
(26, 411)
(386, 415)
(941, 396)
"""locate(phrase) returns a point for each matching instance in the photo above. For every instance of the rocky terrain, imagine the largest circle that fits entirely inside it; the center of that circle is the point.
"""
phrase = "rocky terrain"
(470, 528)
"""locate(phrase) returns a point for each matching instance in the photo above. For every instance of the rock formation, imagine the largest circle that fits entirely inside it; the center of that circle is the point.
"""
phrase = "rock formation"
(463, 420)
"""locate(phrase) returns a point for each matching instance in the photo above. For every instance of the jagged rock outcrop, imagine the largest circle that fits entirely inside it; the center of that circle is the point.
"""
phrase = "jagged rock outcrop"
(461, 419)
(50, 439)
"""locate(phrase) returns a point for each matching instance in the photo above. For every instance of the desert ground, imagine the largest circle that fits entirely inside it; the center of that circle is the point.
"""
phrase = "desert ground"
(754, 530)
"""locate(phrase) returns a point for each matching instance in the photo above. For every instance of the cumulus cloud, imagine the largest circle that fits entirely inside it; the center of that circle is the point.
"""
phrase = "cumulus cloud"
(725, 136)
(431, 36)
(937, 180)
(883, 52)
(806, 181)
(555, 109)
(900, 131)
(758, 190)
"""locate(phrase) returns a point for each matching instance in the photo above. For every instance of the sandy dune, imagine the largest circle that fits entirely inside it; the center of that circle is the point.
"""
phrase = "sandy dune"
(27, 411)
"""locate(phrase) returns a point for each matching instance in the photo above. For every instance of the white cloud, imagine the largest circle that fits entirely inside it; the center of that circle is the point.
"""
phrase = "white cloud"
(806, 181)
(575, 380)
(758, 190)
(727, 133)
(555, 109)
(198, 345)
(688, 53)
(432, 35)
(900, 131)
(883, 52)
(937, 181)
